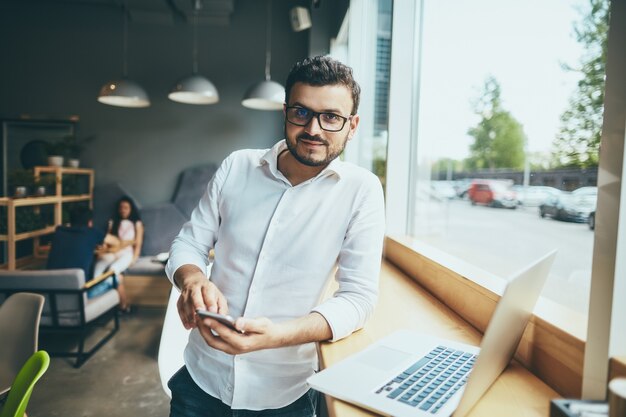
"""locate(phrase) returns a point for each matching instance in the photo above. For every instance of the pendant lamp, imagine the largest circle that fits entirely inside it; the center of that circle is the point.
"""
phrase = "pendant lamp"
(267, 94)
(124, 92)
(194, 89)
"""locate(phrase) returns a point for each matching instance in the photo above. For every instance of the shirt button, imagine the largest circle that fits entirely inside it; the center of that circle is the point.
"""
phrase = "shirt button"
(230, 388)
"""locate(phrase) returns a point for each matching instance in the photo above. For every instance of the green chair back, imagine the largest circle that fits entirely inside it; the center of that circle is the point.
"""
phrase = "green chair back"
(22, 387)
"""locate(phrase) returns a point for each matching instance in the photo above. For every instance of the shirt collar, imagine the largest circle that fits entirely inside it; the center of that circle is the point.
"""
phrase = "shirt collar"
(270, 158)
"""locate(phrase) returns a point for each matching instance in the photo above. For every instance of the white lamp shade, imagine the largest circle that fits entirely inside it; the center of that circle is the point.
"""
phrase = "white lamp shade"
(194, 89)
(266, 95)
(123, 93)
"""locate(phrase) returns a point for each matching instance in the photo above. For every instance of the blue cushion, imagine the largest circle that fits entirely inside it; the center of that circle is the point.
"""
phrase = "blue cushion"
(102, 287)
(73, 247)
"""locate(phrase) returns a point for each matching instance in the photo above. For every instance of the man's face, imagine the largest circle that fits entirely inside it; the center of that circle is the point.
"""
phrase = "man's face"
(310, 144)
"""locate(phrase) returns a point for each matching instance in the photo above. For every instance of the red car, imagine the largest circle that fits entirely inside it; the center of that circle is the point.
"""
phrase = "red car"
(494, 193)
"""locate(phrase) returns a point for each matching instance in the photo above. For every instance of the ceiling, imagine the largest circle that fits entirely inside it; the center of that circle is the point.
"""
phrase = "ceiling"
(168, 12)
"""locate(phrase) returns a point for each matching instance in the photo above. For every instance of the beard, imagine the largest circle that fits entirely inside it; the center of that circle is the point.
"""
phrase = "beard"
(308, 159)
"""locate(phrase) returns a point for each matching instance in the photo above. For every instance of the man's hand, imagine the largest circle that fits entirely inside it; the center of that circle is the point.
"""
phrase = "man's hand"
(262, 333)
(257, 334)
(196, 291)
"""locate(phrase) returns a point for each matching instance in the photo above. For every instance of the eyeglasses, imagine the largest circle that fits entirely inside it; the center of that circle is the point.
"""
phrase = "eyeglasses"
(301, 116)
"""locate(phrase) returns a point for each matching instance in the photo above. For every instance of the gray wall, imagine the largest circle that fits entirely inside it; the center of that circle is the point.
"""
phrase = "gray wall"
(55, 56)
(326, 19)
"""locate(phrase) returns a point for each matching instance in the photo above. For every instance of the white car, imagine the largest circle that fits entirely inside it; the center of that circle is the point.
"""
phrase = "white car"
(534, 195)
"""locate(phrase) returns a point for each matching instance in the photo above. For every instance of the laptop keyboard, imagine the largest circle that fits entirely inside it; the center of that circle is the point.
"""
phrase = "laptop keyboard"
(430, 382)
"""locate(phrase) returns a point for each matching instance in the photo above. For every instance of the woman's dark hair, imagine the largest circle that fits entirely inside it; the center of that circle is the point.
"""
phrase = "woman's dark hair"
(323, 70)
(133, 217)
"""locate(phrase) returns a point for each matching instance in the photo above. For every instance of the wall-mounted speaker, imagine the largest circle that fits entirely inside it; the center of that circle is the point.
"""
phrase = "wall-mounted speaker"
(300, 19)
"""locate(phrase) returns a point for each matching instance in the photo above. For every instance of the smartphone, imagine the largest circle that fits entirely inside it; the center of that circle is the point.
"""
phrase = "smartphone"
(227, 321)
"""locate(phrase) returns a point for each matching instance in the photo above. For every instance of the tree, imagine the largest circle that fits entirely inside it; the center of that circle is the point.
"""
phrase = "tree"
(498, 138)
(443, 168)
(577, 144)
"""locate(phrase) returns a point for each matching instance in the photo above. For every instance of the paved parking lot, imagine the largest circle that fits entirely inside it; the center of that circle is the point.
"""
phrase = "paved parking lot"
(503, 241)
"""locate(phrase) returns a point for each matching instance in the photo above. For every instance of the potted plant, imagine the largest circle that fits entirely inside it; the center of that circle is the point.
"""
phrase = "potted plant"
(45, 184)
(56, 153)
(20, 181)
(23, 181)
(74, 147)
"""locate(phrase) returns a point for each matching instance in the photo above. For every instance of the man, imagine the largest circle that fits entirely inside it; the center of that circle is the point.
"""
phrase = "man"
(281, 222)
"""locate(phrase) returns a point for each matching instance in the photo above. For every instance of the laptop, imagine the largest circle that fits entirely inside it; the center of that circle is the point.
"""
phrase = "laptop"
(411, 374)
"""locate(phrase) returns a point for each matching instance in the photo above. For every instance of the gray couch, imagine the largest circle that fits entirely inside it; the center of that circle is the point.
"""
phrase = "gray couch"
(66, 307)
(162, 222)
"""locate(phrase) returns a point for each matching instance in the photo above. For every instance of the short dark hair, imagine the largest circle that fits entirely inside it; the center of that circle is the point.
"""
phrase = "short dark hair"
(80, 217)
(320, 71)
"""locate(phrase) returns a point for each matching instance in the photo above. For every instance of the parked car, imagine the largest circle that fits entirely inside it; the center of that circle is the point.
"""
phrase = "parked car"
(592, 220)
(533, 195)
(461, 187)
(494, 193)
(575, 206)
(443, 190)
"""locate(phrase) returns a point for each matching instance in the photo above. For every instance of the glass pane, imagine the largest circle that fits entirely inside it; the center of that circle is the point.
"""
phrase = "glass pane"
(510, 113)
(371, 43)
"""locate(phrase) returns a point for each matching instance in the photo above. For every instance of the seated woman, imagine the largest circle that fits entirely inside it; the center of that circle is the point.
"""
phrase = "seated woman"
(122, 243)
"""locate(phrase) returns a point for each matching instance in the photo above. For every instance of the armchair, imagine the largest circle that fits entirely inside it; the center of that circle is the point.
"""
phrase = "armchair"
(67, 309)
(19, 327)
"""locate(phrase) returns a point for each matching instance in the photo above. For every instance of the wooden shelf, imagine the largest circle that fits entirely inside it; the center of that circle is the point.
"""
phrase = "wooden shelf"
(28, 235)
(64, 170)
(75, 198)
(58, 199)
(28, 201)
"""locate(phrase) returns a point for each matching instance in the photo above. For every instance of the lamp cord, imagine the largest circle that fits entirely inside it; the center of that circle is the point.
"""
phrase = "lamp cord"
(268, 41)
(125, 44)
(195, 41)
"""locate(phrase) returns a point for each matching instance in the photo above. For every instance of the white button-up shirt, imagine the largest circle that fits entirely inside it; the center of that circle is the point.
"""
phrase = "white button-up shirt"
(276, 248)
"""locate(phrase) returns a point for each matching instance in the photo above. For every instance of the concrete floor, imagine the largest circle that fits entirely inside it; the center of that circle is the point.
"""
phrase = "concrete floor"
(120, 380)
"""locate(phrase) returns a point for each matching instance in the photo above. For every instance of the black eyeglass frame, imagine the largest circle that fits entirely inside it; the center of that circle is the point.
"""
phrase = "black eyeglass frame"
(317, 116)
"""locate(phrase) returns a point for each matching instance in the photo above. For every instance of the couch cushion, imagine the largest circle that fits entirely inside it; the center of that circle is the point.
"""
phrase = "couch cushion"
(191, 187)
(146, 265)
(67, 304)
(161, 225)
(73, 247)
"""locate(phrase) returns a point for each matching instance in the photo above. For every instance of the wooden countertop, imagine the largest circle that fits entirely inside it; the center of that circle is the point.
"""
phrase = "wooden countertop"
(404, 304)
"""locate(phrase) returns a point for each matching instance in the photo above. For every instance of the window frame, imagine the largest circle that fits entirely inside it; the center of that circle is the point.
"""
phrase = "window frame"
(590, 371)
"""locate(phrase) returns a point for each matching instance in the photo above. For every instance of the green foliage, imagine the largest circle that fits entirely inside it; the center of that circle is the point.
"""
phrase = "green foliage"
(26, 178)
(69, 146)
(74, 185)
(56, 148)
(441, 167)
(498, 137)
(21, 177)
(577, 143)
(380, 169)
(26, 219)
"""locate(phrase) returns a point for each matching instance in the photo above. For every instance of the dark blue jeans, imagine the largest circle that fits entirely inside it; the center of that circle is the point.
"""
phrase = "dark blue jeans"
(189, 400)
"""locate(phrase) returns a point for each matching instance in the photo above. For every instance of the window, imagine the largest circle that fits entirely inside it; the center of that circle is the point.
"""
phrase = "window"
(412, 154)
(493, 98)
(364, 42)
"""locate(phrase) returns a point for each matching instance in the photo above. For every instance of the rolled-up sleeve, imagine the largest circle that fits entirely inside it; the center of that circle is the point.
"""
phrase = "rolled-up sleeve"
(358, 266)
(197, 237)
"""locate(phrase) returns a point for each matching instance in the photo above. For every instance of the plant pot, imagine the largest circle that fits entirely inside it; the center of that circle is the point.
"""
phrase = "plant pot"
(55, 161)
(20, 191)
(73, 163)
